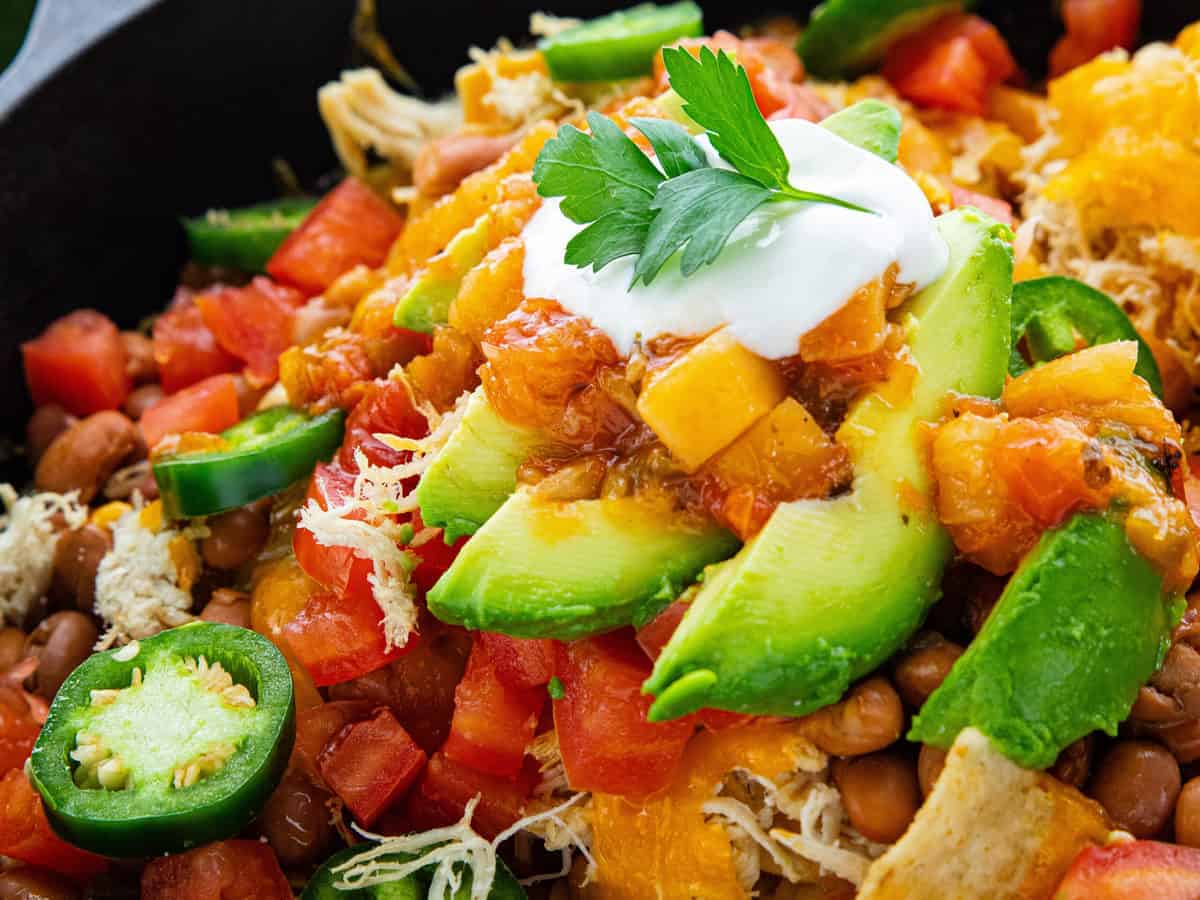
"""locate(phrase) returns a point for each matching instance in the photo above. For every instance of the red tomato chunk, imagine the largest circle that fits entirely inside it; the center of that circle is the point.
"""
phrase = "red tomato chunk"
(253, 323)
(210, 406)
(227, 870)
(446, 787)
(25, 833)
(1134, 870)
(186, 351)
(339, 637)
(78, 363)
(351, 226)
(371, 764)
(519, 662)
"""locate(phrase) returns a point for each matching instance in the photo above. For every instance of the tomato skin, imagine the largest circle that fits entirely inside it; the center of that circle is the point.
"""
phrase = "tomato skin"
(607, 744)
(446, 787)
(351, 226)
(78, 363)
(339, 569)
(254, 323)
(654, 635)
(226, 870)
(952, 64)
(1133, 870)
(493, 723)
(210, 405)
(25, 834)
(435, 556)
(1094, 26)
(519, 662)
(371, 764)
(19, 728)
(339, 637)
(185, 350)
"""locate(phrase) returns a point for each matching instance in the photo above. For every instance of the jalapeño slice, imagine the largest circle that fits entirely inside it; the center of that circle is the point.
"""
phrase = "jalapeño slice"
(164, 744)
(265, 453)
(621, 44)
(1055, 314)
(323, 884)
(244, 238)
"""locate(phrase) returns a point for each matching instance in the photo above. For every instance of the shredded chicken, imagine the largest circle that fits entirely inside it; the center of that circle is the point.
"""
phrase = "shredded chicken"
(30, 534)
(364, 115)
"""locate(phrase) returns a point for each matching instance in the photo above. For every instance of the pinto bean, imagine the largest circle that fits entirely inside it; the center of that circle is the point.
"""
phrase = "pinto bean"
(1187, 814)
(869, 718)
(28, 883)
(880, 793)
(60, 643)
(445, 162)
(46, 423)
(930, 762)
(1138, 783)
(235, 538)
(12, 647)
(83, 456)
(76, 558)
(922, 670)
(141, 400)
(295, 822)
(228, 606)
(139, 357)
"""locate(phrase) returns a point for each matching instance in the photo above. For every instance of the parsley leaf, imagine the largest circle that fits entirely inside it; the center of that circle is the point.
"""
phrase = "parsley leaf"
(718, 98)
(676, 151)
(595, 174)
(620, 232)
(697, 211)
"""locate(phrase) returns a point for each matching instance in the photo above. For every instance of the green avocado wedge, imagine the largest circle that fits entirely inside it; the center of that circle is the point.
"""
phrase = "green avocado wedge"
(870, 124)
(476, 471)
(845, 37)
(568, 569)
(1080, 626)
(830, 588)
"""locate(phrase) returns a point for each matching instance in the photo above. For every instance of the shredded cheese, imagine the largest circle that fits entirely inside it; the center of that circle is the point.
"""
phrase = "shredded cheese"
(363, 114)
(546, 25)
(138, 591)
(27, 545)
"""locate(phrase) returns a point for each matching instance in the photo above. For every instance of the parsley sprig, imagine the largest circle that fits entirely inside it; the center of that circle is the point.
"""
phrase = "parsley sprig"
(633, 208)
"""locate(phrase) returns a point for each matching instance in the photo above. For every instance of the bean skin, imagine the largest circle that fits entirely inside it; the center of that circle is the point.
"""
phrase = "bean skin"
(235, 538)
(870, 718)
(228, 606)
(28, 883)
(60, 643)
(295, 822)
(1187, 814)
(1138, 783)
(83, 456)
(880, 793)
(922, 670)
(46, 423)
(76, 558)
(930, 763)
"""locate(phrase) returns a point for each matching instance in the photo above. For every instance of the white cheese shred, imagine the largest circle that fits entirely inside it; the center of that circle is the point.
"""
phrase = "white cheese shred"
(27, 544)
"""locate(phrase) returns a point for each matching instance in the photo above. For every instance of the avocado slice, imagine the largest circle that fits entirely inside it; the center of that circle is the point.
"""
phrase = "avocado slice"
(830, 588)
(870, 124)
(567, 569)
(846, 37)
(1080, 626)
(476, 470)
(427, 301)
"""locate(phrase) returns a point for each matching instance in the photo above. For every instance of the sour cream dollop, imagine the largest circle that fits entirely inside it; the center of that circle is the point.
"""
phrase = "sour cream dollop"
(786, 268)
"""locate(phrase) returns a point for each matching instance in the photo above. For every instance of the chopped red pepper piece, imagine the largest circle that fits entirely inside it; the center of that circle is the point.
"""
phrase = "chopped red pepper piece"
(371, 764)
(351, 226)
(78, 363)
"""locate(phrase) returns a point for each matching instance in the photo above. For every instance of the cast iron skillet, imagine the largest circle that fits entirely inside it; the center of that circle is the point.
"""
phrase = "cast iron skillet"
(185, 106)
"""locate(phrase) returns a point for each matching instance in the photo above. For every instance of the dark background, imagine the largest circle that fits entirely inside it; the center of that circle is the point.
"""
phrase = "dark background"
(185, 106)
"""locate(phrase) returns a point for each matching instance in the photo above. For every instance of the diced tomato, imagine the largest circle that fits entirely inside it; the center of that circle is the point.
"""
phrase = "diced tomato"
(1093, 27)
(519, 662)
(435, 556)
(318, 725)
(445, 788)
(386, 408)
(338, 568)
(952, 64)
(25, 834)
(78, 363)
(227, 870)
(995, 207)
(19, 727)
(493, 723)
(210, 406)
(339, 637)
(1133, 870)
(371, 764)
(653, 636)
(253, 323)
(185, 350)
(607, 743)
(351, 226)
